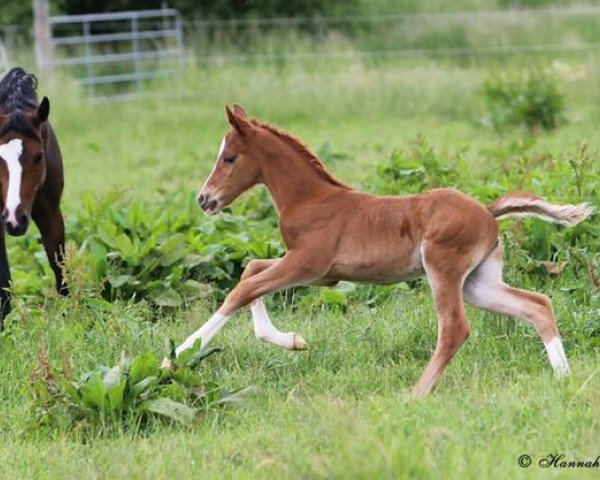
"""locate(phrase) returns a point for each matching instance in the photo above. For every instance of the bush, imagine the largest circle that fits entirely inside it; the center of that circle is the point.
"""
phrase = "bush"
(126, 395)
(531, 100)
(416, 170)
(168, 252)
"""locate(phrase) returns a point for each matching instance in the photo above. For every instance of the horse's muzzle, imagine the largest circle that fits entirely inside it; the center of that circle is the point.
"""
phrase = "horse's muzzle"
(208, 203)
(18, 228)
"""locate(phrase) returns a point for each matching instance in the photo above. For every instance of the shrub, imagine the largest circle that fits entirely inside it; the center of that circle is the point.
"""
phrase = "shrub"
(168, 252)
(531, 100)
(416, 170)
(126, 395)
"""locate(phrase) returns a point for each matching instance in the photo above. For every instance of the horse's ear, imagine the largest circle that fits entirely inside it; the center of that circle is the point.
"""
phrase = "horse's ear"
(43, 111)
(238, 122)
(239, 111)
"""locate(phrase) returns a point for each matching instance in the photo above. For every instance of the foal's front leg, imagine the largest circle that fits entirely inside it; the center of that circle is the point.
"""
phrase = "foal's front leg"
(264, 329)
(293, 269)
(51, 225)
(4, 282)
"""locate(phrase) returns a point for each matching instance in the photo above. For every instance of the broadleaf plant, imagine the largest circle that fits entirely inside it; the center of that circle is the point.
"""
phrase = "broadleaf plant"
(127, 395)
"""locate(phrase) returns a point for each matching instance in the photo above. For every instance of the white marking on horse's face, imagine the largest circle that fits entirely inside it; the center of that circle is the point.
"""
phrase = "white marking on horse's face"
(11, 152)
(221, 148)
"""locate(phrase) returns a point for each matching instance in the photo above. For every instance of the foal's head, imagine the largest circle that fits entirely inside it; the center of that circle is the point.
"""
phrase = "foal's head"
(22, 165)
(236, 169)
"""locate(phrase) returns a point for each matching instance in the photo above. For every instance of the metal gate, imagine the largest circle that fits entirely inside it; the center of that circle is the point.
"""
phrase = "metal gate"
(113, 54)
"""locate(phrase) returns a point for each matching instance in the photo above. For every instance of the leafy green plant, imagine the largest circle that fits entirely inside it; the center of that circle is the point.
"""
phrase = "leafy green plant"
(531, 99)
(416, 170)
(128, 394)
(167, 252)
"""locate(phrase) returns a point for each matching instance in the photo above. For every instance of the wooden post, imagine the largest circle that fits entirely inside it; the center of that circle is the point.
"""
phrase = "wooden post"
(42, 36)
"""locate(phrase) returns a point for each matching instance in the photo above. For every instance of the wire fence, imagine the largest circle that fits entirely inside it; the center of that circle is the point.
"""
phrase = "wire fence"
(555, 31)
(506, 32)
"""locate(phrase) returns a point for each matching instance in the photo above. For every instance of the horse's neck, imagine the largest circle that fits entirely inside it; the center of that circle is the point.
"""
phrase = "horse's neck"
(291, 179)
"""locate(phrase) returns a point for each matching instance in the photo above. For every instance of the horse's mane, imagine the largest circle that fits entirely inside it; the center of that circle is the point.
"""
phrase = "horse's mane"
(17, 91)
(303, 151)
(17, 98)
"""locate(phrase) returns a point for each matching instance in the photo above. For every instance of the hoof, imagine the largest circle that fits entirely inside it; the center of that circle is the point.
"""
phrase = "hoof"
(299, 342)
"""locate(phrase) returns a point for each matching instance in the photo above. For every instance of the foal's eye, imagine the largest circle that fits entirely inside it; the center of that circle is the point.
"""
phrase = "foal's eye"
(37, 158)
(229, 158)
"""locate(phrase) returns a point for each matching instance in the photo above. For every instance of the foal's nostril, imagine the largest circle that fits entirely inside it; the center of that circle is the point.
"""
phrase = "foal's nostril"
(212, 204)
(23, 219)
(4, 215)
(200, 199)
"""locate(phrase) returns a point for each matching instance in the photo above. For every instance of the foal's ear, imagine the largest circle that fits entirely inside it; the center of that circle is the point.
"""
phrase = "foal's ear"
(238, 122)
(43, 111)
(239, 111)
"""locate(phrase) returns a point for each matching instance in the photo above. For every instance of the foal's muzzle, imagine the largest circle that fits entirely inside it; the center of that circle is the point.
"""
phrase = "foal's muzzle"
(208, 203)
(15, 227)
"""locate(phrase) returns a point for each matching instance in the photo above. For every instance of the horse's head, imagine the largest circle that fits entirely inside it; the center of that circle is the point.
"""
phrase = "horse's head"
(236, 168)
(22, 165)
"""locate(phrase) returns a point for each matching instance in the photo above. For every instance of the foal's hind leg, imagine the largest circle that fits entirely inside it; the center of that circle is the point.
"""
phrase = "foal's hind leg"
(446, 282)
(50, 222)
(263, 327)
(485, 289)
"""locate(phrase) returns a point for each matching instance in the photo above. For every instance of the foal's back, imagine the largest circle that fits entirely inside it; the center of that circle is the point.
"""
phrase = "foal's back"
(381, 239)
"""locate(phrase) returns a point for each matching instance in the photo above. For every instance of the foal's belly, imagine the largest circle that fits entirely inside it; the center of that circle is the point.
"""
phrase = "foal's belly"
(374, 267)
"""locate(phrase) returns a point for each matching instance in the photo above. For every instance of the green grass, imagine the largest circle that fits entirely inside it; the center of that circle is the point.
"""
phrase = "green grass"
(341, 409)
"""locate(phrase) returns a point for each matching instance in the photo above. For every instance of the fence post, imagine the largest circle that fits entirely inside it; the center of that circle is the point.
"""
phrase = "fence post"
(43, 36)
(87, 49)
(135, 48)
(180, 43)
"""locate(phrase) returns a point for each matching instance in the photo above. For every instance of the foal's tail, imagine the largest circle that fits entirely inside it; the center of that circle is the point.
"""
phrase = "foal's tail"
(521, 204)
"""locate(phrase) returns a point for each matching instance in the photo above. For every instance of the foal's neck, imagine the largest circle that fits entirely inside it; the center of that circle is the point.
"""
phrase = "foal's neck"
(291, 173)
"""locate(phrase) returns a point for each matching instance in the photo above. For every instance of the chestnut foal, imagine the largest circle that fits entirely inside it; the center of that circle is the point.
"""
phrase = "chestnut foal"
(333, 232)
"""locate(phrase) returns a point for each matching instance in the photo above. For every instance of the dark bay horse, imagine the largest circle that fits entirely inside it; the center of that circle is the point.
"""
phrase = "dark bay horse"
(31, 175)
(333, 232)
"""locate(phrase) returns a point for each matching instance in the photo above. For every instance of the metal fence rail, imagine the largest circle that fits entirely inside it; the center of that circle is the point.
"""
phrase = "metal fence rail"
(560, 12)
(90, 45)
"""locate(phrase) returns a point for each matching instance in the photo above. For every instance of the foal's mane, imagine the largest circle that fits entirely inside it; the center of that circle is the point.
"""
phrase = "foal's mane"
(17, 98)
(303, 151)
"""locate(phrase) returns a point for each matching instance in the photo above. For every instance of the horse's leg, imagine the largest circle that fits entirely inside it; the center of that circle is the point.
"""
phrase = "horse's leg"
(4, 282)
(52, 228)
(446, 280)
(293, 269)
(485, 289)
(264, 329)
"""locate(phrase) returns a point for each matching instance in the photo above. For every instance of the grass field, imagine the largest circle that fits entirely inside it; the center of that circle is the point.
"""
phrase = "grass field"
(341, 409)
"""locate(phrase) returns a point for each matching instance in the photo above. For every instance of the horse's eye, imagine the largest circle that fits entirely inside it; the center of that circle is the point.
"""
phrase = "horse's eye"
(229, 158)
(38, 158)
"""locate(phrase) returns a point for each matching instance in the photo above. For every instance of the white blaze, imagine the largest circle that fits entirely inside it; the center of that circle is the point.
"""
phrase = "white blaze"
(11, 152)
(221, 148)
